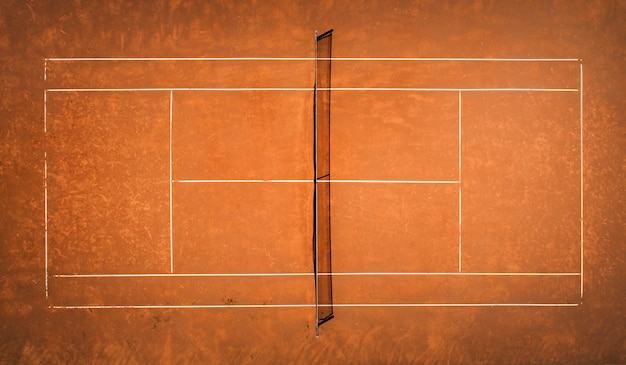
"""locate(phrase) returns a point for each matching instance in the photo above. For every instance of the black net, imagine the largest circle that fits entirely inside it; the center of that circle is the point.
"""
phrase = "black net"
(323, 267)
(323, 104)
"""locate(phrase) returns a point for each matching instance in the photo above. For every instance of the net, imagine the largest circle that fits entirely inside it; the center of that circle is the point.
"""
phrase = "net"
(322, 239)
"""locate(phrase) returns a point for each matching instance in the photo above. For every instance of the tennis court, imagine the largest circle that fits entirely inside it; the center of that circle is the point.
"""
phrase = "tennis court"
(419, 199)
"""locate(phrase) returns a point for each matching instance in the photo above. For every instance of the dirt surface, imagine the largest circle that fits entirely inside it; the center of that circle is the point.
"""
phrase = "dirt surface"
(93, 183)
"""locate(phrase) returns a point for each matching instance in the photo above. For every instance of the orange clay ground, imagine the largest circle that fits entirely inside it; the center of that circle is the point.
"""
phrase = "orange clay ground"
(158, 208)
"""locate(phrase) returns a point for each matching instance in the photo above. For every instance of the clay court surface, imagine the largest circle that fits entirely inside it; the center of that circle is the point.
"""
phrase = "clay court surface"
(158, 175)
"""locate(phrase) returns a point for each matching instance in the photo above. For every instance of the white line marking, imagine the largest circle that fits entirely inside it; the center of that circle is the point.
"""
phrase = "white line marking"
(455, 59)
(408, 305)
(581, 185)
(460, 188)
(307, 89)
(345, 305)
(452, 273)
(171, 226)
(45, 111)
(217, 306)
(179, 275)
(45, 178)
(450, 89)
(181, 89)
(146, 59)
(461, 59)
(220, 275)
(243, 181)
(322, 181)
(390, 181)
(315, 203)
(45, 182)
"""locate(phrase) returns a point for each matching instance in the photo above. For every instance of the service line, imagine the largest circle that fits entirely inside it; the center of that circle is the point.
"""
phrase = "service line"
(459, 178)
(319, 181)
(171, 214)
(581, 187)
(390, 181)
(189, 181)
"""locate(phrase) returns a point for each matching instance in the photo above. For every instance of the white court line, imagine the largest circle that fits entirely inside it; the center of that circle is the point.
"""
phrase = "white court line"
(193, 306)
(315, 195)
(322, 181)
(243, 181)
(171, 214)
(454, 59)
(45, 111)
(179, 275)
(452, 273)
(459, 178)
(451, 89)
(581, 187)
(344, 305)
(391, 181)
(45, 178)
(45, 202)
(435, 89)
(454, 305)
(467, 59)
(138, 89)
(219, 275)
(146, 59)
